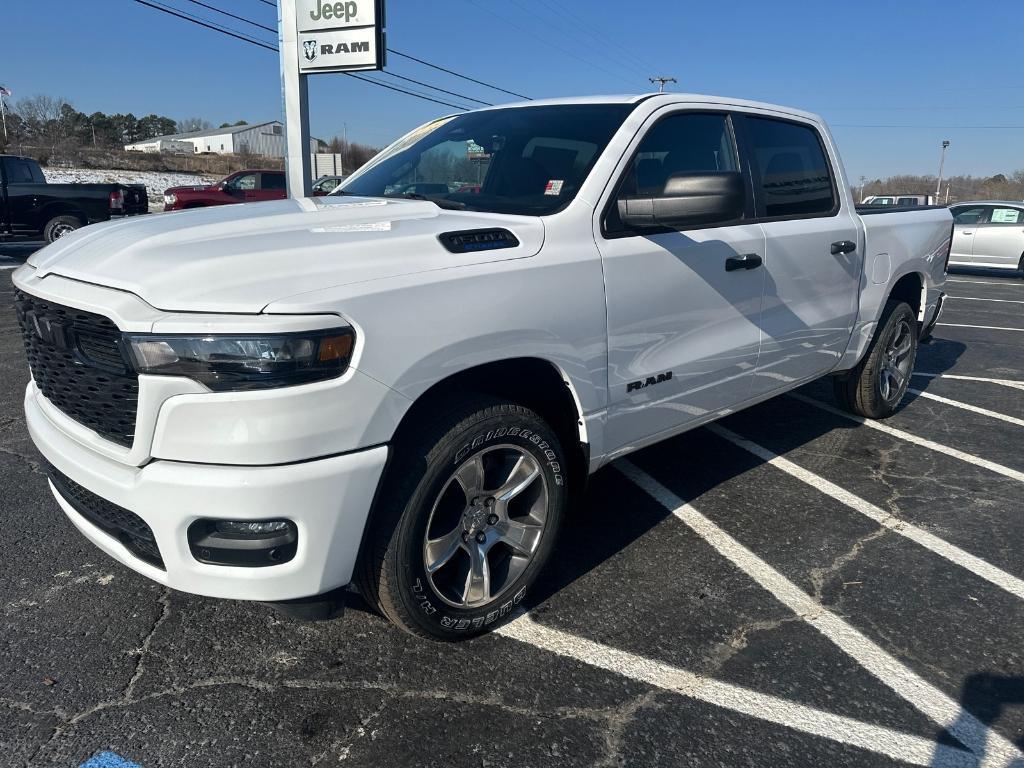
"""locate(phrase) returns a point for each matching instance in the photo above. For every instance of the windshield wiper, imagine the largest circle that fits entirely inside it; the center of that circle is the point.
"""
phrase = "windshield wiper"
(440, 202)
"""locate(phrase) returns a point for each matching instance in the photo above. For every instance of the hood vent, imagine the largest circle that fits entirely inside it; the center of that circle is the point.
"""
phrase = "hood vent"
(470, 240)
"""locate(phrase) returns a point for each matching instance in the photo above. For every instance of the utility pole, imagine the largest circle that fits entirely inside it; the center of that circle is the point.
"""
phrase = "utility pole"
(661, 82)
(4, 91)
(942, 163)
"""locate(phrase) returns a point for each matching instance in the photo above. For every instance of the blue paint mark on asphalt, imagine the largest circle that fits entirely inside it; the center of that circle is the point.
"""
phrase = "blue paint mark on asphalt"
(108, 760)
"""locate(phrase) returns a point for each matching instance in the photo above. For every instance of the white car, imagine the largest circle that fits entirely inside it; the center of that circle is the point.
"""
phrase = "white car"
(988, 234)
(272, 402)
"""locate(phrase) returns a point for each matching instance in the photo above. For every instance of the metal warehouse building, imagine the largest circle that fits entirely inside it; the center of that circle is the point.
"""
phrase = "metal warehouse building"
(265, 139)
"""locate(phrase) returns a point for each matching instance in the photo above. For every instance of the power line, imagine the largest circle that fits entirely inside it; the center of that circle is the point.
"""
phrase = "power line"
(546, 42)
(239, 36)
(432, 66)
(434, 87)
(400, 77)
(209, 25)
(233, 16)
(456, 74)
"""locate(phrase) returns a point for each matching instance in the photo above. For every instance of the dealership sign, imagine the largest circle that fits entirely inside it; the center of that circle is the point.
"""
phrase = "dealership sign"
(339, 35)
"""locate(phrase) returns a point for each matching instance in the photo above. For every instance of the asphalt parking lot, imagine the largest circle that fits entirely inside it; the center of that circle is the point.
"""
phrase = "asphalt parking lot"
(788, 587)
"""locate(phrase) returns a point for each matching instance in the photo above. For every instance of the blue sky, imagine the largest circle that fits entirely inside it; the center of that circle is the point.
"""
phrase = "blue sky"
(938, 70)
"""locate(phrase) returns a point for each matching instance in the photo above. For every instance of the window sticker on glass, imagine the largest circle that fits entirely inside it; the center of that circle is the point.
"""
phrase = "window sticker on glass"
(554, 187)
(1005, 216)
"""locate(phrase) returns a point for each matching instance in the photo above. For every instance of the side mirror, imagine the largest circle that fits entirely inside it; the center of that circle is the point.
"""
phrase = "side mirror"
(688, 199)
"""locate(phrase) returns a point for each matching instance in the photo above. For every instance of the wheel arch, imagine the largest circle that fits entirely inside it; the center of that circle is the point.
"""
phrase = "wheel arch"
(911, 288)
(533, 382)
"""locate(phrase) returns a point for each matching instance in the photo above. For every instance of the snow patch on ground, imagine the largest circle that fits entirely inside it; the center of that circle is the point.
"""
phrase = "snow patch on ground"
(156, 181)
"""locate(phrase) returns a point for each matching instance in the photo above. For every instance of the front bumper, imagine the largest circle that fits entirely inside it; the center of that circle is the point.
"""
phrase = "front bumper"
(328, 499)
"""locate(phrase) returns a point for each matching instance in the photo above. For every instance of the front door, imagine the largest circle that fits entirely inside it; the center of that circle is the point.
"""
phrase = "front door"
(966, 221)
(682, 330)
(813, 263)
(999, 242)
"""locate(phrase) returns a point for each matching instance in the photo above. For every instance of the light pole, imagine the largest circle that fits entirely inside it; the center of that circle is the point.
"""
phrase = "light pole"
(942, 163)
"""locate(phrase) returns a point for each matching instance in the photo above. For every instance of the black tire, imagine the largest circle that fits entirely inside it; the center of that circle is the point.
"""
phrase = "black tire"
(59, 226)
(421, 482)
(862, 390)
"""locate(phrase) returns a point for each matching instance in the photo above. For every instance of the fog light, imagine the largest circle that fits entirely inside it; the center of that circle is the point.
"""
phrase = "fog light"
(246, 528)
(246, 543)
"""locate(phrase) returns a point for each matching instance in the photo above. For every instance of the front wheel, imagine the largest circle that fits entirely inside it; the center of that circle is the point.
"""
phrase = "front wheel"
(467, 518)
(876, 386)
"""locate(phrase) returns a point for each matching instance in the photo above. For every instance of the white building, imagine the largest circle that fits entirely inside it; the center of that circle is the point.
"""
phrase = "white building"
(265, 140)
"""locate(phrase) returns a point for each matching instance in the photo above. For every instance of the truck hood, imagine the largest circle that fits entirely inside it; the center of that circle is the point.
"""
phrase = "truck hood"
(240, 258)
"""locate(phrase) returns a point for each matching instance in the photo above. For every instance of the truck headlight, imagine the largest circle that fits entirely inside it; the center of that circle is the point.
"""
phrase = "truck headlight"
(225, 363)
(170, 199)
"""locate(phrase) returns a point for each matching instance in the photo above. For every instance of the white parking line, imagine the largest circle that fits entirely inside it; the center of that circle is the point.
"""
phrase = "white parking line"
(923, 442)
(845, 730)
(940, 547)
(957, 377)
(984, 327)
(991, 748)
(1009, 282)
(967, 407)
(975, 298)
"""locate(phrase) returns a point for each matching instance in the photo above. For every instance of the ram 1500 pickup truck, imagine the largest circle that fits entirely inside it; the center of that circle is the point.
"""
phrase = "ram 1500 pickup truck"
(405, 391)
(29, 207)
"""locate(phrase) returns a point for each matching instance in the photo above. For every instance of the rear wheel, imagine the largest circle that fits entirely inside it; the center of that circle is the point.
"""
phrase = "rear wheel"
(59, 226)
(876, 386)
(466, 521)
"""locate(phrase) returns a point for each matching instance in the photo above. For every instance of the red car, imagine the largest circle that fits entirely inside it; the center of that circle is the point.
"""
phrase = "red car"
(238, 187)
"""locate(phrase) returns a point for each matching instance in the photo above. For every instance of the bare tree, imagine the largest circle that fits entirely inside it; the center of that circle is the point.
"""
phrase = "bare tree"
(43, 119)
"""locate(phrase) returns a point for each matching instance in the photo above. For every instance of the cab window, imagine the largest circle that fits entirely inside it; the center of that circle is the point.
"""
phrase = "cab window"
(969, 214)
(273, 181)
(246, 181)
(795, 176)
(682, 143)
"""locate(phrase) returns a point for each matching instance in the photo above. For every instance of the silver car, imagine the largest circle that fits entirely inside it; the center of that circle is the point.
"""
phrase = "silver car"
(988, 233)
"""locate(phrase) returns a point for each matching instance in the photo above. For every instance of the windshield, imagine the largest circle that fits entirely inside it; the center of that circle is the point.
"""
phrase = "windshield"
(520, 160)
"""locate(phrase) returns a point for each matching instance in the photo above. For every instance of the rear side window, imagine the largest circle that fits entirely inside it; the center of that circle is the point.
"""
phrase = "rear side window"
(795, 177)
(273, 181)
(1006, 216)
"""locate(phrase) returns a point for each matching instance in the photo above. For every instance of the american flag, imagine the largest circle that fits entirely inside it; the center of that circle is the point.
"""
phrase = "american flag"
(5, 91)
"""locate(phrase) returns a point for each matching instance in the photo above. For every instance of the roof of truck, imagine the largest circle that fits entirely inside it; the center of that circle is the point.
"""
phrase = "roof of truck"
(668, 98)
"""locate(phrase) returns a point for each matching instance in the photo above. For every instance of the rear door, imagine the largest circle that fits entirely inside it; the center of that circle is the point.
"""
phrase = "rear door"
(812, 265)
(682, 330)
(272, 186)
(999, 240)
(966, 221)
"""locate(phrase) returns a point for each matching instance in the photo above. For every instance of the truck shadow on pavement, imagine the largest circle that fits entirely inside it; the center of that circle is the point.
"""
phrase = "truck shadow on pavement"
(984, 697)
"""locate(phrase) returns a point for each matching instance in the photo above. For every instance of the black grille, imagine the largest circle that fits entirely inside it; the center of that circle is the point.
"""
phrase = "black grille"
(77, 362)
(127, 527)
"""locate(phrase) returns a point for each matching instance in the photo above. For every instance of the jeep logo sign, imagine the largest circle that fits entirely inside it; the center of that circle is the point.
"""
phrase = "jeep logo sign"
(339, 35)
(315, 15)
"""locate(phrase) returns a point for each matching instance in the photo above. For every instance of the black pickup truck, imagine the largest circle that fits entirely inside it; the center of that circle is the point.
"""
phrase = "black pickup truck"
(29, 207)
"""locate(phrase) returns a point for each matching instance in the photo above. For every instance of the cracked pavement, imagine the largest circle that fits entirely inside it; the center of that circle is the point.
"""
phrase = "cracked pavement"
(98, 658)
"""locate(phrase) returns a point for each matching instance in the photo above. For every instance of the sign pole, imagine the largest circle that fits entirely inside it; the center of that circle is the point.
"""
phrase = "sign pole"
(295, 98)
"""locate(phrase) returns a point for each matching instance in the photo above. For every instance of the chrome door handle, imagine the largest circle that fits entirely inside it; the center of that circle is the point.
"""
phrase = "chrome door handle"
(746, 261)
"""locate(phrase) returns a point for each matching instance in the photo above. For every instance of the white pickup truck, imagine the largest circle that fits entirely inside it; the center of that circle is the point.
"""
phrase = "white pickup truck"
(405, 391)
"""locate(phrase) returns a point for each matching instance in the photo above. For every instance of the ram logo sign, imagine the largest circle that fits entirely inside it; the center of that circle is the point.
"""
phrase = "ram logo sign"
(339, 35)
